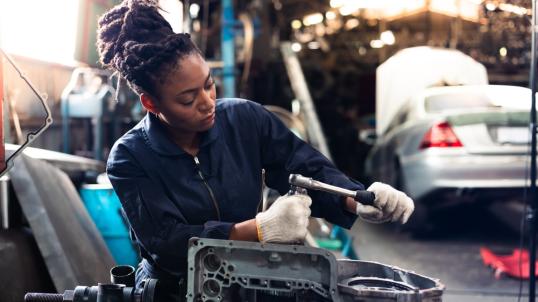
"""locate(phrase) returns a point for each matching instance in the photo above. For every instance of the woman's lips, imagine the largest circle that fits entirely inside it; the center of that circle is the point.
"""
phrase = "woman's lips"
(209, 118)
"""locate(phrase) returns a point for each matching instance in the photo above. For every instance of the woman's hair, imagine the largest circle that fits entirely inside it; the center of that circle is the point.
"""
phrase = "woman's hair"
(136, 41)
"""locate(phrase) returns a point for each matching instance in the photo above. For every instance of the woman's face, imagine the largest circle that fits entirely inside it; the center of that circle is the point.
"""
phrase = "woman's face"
(187, 97)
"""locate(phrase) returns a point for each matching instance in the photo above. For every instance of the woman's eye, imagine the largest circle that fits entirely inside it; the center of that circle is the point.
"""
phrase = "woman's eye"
(210, 85)
(186, 102)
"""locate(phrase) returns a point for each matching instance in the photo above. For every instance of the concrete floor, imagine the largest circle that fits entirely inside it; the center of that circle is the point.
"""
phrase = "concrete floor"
(451, 254)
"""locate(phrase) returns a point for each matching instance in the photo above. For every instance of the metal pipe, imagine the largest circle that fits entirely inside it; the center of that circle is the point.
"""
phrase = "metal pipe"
(228, 49)
(532, 190)
(123, 274)
(4, 201)
(300, 88)
(186, 16)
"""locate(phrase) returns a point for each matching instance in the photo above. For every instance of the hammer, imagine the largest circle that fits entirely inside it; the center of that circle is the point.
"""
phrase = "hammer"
(362, 196)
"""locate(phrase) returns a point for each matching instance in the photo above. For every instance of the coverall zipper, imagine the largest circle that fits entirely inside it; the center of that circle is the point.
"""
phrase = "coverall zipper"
(197, 162)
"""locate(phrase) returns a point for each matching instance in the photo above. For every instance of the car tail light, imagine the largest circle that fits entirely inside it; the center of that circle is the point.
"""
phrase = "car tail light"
(440, 135)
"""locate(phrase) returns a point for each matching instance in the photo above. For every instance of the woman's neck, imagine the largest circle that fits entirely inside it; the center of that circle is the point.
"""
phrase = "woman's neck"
(188, 141)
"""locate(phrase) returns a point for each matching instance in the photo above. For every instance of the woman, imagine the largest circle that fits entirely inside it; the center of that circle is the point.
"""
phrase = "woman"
(193, 165)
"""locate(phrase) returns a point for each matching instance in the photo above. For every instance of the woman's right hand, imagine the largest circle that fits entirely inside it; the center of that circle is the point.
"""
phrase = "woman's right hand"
(286, 221)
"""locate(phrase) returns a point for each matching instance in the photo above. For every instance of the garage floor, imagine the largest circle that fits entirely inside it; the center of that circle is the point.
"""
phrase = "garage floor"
(451, 254)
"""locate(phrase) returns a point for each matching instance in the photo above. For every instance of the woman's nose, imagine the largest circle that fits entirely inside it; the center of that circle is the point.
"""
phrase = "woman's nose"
(207, 103)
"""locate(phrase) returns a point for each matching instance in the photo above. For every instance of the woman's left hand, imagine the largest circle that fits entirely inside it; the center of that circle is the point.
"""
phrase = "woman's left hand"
(389, 205)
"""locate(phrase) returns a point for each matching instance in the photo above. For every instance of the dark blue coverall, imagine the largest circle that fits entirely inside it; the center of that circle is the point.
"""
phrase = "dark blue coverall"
(170, 196)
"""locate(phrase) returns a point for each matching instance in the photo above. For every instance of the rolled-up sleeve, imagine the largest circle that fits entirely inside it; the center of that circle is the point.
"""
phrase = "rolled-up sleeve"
(283, 153)
(160, 228)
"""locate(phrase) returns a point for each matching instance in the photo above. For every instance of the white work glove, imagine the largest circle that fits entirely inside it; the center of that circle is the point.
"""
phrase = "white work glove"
(286, 220)
(389, 205)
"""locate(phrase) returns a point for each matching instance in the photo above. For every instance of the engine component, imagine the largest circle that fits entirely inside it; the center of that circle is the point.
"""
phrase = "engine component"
(101, 292)
(120, 290)
(223, 270)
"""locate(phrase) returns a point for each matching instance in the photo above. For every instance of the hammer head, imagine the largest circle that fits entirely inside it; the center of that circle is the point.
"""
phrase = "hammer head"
(300, 181)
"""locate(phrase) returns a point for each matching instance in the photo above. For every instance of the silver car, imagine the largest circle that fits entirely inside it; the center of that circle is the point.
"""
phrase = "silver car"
(458, 144)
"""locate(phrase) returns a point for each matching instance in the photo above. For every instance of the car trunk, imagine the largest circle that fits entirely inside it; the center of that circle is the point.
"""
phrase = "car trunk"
(492, 132)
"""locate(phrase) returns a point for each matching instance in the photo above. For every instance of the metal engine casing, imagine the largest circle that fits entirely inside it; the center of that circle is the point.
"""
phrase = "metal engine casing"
(226, 270)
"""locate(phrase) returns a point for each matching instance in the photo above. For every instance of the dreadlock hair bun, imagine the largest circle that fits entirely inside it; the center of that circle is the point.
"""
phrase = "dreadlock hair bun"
(135, 40)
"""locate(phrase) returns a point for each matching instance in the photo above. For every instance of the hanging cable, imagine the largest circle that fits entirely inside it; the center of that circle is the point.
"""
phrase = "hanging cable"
(522, 224)
(248, 28)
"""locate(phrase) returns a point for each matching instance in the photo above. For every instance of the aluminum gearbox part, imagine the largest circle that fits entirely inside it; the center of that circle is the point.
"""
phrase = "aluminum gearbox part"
(224, 270)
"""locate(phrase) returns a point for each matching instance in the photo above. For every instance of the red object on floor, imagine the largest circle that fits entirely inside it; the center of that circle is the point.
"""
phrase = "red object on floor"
(515, 265)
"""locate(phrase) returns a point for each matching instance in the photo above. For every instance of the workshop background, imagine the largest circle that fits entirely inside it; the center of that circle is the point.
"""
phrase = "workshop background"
(427, 95)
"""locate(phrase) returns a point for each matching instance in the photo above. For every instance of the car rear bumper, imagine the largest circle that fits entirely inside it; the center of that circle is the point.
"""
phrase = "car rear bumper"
(439, 174)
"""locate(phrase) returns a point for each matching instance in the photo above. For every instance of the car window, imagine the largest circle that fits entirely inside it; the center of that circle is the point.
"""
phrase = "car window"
(505, 118)
(437, 103)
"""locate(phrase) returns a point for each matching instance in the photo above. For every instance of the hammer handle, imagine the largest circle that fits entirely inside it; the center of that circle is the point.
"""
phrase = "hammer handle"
(365, 197)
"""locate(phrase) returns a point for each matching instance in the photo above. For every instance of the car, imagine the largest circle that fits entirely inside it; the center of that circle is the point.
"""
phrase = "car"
(455, 145)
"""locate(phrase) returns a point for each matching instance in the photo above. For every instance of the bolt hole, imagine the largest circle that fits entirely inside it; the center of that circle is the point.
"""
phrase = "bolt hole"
(211, 288)
(211, 262)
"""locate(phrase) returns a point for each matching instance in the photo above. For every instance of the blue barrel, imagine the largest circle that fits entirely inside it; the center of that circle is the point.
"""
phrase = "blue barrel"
(104, 208)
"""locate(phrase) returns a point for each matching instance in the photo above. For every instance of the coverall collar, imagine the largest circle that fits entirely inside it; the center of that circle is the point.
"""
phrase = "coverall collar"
(159, 140)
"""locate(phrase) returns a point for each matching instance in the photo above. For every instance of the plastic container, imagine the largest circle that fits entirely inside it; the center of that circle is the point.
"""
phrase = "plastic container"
(104, 208)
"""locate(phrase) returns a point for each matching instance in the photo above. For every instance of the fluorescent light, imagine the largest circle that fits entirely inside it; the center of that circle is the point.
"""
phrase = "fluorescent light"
(392, 9)
(312, 19)
(503, 51)
(348, 7)
(388, 37)
(376, 44)
(194, 9)
(518, 10)
(313, 45)
(347, 10)
(330, 15)
(491, 6)
(296, 24)
(296, 47)
(352, 23)
(337, 3)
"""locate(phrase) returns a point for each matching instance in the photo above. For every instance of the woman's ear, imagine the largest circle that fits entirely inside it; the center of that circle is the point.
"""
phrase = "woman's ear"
(149, 103)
